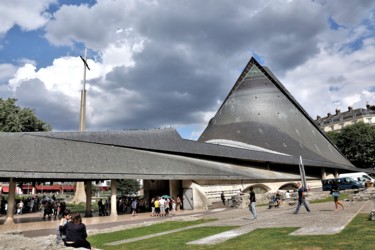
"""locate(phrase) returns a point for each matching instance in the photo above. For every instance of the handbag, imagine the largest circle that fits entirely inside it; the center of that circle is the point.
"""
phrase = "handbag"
(335, 194)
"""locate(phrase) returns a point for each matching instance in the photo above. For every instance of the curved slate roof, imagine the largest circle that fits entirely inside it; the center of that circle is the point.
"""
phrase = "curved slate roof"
(258, 133)
(261, 112)
(156, 154)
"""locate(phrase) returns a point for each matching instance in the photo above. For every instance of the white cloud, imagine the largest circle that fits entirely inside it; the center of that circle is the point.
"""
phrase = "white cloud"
(157, 63)
(28, 15)
(351, 75)
(96, 25)
(7, 71)
(65, 75)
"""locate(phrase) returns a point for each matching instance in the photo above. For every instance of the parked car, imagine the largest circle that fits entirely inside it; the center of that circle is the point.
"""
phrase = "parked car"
(360, 176)
(344, 183)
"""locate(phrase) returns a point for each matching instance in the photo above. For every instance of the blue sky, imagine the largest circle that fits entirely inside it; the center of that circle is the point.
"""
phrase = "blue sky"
(172, 62)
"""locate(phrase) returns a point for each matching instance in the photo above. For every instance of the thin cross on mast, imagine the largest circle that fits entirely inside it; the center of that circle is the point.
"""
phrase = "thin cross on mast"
(82, 117)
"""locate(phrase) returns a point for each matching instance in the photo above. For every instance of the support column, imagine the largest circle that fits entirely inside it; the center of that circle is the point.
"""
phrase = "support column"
(113, 198)
(88, 190)
(336, 173)
(170, 187)
(323, 173)
(11, 202)
(146, 194)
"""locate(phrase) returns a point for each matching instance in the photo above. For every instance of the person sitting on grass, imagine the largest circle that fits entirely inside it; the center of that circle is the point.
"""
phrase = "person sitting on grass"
(75, 232)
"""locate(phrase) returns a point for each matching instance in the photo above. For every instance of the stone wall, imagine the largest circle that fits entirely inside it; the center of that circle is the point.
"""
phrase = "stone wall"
(366, 194)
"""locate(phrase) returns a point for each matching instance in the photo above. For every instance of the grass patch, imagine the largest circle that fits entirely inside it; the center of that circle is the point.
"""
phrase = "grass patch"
(100, 239)
(173, 241)
(359, 234)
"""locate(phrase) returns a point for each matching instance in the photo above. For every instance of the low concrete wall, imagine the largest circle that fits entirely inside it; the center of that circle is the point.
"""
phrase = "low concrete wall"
(207, 192)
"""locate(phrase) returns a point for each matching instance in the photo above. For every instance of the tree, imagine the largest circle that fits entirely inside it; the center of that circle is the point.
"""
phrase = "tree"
(16, 119)
(126, 187)
(357, 143)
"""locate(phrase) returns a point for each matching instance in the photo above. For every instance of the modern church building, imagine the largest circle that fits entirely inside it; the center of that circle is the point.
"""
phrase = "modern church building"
(258, 137)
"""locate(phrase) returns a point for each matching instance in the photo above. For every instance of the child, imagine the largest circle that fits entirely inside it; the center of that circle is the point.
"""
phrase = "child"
(60, 237)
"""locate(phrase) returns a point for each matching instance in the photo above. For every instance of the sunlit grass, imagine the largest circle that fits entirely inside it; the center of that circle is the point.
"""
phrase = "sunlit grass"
(100, 239)
(359, 234)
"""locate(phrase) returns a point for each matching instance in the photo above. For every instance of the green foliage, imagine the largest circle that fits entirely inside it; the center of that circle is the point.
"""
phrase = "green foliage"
(16, 119)
(126, 187)
(357, 143)
(81, 207)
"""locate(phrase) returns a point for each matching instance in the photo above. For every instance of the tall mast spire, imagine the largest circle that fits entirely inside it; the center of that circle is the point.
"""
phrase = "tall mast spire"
(82, 117)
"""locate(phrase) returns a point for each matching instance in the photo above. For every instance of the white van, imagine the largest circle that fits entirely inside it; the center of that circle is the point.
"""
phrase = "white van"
(360, 176)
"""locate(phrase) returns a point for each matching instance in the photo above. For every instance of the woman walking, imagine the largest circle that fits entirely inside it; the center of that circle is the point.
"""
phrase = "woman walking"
(335, 192)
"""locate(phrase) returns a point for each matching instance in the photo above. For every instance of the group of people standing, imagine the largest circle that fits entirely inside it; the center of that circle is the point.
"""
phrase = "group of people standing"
(162, 206)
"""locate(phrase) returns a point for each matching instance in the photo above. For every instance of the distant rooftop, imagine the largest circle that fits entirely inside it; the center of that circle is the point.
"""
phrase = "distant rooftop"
(351, 113)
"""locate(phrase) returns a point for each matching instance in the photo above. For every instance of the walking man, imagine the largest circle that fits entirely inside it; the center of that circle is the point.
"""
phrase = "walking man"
(252, 203)
(223, 197)
(301, 199)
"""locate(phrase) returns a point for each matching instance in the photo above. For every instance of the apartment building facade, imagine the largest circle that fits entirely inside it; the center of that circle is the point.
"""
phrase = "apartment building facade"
(339, 120)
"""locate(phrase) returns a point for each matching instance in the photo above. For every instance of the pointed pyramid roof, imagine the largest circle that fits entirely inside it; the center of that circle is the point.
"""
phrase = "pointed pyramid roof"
(260, 112)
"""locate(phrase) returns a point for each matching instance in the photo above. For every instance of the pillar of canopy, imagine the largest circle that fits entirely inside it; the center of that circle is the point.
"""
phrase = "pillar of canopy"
(11, 202)
(113, 198)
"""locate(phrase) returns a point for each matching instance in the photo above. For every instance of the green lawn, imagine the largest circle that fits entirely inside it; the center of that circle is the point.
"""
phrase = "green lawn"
(359, 234)
(100, 239)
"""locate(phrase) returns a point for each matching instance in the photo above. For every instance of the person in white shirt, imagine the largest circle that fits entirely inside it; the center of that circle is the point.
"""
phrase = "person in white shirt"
(162, 206)
(20, 207)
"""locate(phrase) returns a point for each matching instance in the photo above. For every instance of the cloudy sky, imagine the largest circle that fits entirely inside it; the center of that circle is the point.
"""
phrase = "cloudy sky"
(161, 63)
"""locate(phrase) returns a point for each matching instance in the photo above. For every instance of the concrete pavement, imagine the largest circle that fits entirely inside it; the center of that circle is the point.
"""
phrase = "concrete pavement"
(322, 220)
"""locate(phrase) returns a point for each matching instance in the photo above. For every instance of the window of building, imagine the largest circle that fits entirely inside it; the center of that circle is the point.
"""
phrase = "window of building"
(369, 120)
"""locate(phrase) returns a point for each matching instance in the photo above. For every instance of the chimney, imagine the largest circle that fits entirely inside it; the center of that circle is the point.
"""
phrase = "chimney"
(329, 114)
(318, 117)
(350, 108)
(337, 111)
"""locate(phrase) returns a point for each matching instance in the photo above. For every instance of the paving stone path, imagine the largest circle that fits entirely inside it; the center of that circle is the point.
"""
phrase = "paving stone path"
(322, 220)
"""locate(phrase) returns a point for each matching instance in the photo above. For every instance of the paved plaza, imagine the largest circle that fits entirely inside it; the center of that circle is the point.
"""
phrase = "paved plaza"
(322, 220)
